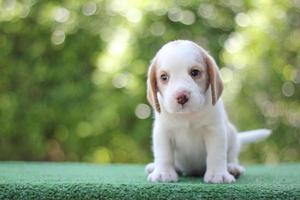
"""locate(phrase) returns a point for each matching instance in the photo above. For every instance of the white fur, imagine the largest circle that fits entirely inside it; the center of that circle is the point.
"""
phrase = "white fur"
(197, 138)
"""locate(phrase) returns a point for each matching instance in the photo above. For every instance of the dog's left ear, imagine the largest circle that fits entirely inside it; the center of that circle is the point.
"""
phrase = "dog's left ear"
(214, 78)
(152, 88)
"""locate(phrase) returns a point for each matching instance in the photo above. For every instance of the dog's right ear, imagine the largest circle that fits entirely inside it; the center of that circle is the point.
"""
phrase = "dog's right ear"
(152, 87)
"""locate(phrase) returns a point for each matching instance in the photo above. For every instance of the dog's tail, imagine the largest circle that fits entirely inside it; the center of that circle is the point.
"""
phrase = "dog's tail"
(254, 135)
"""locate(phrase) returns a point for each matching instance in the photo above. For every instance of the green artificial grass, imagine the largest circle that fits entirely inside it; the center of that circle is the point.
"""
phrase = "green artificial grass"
(33, 180)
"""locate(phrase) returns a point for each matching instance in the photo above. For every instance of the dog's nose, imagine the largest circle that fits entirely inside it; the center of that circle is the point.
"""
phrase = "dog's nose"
(182, 98)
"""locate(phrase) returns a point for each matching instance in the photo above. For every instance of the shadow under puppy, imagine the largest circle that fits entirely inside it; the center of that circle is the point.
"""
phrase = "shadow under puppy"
(191, 133)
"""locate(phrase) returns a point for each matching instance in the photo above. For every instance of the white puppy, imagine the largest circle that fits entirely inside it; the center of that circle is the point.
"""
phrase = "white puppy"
(192, 134)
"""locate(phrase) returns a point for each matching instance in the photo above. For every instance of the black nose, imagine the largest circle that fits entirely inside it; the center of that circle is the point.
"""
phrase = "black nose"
(182, 99)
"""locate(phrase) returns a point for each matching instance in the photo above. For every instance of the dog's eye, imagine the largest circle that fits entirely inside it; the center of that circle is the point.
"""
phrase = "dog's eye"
(164, 77)
(195, 73)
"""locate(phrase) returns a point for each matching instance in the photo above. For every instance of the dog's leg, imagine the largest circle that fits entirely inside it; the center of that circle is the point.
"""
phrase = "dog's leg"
(164, 170)
(233, 166)
(216, 162)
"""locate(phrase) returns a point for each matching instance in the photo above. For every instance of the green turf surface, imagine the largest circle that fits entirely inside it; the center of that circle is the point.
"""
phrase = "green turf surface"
(21, 180)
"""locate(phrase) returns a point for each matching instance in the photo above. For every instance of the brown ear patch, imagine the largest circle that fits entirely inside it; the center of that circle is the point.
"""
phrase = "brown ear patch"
(152, 87)
(214, 78)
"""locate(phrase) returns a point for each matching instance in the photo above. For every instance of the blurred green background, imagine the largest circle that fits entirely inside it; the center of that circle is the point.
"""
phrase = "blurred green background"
(73, 72)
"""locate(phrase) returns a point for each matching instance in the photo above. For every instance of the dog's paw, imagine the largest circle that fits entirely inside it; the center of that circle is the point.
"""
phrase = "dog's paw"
(235, 169)
(163, 176)
(149, 168)
(218, 177)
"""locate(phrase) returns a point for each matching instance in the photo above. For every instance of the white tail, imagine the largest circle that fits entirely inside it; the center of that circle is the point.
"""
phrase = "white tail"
(254, 135)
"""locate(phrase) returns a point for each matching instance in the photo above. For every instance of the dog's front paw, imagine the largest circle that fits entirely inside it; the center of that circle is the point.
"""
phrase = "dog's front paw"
(218, 177)
(149, 168)
(235, 169)
(163, 176)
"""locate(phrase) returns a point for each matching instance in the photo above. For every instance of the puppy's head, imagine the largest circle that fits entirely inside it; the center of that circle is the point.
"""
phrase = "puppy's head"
(182, 78)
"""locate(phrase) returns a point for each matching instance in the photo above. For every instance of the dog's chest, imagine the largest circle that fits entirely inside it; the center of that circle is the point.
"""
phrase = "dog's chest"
(189, 148)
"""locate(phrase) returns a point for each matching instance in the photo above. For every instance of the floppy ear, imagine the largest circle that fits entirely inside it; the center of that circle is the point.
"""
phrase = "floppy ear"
(152, 88)
(214, 78)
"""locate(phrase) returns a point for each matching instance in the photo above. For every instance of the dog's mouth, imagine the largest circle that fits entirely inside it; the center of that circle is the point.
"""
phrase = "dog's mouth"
(184, 109)
(187, 108)
(184, 112)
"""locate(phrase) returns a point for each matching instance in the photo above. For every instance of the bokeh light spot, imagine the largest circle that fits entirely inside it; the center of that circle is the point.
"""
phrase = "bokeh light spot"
(120, 81)
(188, 17)
(242, 19)
(89, 8)
(294, 119)
(288, 89)
(102, 155)
(8, 4)
(235, 43)
(174, 14)
(119, 43)
(142, 111)
(134, 15)
(118, 6)
(58, 37)
(61, 15)
(157, 28)
(206, 10)
(84, 129)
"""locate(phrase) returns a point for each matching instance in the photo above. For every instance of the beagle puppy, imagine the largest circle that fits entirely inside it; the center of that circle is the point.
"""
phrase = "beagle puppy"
(192, 135)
